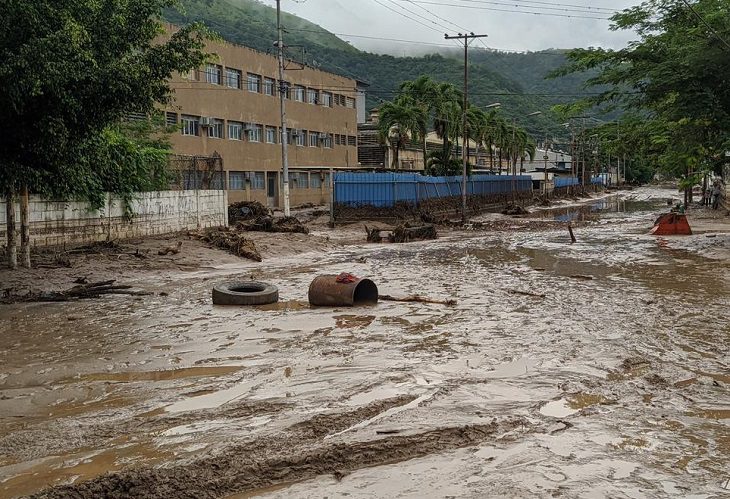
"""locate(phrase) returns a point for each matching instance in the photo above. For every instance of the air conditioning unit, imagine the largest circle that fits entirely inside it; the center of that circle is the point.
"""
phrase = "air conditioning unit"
(204, 121)
(323, 136)
(297, 132)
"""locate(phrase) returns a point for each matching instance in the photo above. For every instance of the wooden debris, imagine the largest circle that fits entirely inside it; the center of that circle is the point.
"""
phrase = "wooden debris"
(406, 233)
(270, 224)
(78, 292)
(580, 276)
(374, 235)
(570, 231)
(170, 249)
(417, 299)
(525, 293)
(230, 240)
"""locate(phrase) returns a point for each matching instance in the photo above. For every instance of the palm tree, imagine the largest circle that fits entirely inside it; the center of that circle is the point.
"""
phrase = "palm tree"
(400, 121)
(422, 91)
(446, 109)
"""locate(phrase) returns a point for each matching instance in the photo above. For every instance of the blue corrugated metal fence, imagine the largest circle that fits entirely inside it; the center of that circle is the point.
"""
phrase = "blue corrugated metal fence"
(565, 181)
(387, 189)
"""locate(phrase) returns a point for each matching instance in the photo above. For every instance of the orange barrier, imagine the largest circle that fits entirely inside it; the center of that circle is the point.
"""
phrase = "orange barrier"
(671, 224)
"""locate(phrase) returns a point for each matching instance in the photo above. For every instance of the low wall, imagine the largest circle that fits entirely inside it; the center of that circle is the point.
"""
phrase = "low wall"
(61, 223)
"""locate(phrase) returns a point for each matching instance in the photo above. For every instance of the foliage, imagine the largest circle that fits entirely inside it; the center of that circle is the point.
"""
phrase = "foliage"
(440, 164)
(400, 121)
(673, 79)
(71, 70)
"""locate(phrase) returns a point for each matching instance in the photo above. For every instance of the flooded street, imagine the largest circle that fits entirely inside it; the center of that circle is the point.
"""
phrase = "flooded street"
(594, 369)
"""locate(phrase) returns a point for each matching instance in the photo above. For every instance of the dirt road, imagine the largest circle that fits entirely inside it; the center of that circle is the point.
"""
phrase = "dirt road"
(616, 383)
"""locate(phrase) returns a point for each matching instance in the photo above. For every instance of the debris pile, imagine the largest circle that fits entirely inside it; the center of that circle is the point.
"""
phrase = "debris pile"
(230, 240)
(266, 223)
(82, 291)
(405, 233)
(514, 209)
(246, 210)
(402, 233)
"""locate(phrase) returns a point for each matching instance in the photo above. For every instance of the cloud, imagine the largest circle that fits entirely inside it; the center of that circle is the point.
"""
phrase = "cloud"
(427, 21)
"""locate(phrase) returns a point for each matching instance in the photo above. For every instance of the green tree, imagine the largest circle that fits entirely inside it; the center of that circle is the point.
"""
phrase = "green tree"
(674, 80)
(399, 122)
(70, 71)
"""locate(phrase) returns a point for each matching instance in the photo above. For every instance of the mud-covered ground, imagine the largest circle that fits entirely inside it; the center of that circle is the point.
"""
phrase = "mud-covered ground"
(609, 379)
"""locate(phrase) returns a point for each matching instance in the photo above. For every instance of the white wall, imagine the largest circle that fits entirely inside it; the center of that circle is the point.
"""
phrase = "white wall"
(60, 223)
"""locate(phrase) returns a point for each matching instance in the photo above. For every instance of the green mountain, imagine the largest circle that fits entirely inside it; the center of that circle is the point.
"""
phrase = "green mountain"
(515, 80)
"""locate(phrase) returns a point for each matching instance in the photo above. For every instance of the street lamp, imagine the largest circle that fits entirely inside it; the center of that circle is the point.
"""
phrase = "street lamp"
(493, 105)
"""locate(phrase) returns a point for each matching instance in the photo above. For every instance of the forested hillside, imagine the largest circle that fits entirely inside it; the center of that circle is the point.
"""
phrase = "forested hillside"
(515, 80)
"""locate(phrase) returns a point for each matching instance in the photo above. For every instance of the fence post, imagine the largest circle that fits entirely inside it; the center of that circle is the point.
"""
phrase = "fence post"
(332, 198)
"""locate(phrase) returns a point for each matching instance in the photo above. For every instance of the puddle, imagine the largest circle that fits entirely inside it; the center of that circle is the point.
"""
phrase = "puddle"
(353, 321)
(558, 409)
(78, 467)
(165, 375)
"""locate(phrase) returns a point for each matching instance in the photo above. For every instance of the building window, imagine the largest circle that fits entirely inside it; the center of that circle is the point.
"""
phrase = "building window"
(337, 139)
(191, 75)
(351, 102)
(312, 96)
(327, 99)
(299, 137)
(352, 140)
(237, 181)
(235, 130)
(298, 93)
(303, 182)
(254, 83)
(326, 180)
(254, 133)
(269, 86)
(258, 181)
(313, 139)
(233, 78)
(315, 181)
(215, 129)
(171, 119)
(190, 125)
(327, 142)
(213, 74)
(271, 135)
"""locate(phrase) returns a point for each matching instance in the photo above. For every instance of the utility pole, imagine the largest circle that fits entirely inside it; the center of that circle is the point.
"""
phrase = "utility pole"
(282, 90)
(545, 157)
(466, 37)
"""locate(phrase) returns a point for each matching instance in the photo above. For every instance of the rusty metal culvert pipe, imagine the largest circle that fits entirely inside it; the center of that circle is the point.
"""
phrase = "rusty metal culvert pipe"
(326, 291)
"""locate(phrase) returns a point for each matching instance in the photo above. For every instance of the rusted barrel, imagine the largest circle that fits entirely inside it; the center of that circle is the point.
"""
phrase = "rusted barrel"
(325, 291)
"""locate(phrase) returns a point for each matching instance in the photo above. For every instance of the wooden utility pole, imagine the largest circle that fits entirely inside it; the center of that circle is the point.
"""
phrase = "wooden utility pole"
(282, 106)
(466, 37)
(24, 226)
(12, 245)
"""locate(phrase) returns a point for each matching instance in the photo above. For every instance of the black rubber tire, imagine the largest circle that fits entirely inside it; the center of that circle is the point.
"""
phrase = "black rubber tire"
(245, 293)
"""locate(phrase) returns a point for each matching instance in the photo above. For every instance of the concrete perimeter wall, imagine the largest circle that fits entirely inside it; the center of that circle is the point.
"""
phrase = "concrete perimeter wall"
(61, 223)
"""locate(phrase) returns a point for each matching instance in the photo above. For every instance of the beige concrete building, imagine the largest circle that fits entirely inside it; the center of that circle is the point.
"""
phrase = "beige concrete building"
(231, 107)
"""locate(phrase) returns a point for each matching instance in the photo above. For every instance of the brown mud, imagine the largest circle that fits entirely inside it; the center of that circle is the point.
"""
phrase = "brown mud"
(613, 386)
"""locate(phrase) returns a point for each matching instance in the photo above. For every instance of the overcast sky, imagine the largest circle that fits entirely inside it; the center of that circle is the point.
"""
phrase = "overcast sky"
(532, 30)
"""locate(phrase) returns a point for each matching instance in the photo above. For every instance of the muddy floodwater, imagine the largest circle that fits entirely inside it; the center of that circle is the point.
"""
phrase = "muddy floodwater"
(594, 369)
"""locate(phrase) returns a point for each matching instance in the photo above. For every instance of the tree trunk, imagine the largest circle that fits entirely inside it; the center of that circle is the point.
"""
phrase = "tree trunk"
(24, 227)
(425, 153)
(12, 248)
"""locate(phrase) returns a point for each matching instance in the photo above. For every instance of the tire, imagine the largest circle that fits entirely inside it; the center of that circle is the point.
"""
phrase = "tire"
(245, 293)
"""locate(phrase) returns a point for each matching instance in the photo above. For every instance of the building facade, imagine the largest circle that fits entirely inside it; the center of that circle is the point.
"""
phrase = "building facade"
(230, 108)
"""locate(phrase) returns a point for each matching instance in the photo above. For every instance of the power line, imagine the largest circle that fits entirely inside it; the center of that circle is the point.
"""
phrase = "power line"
(702, 19)
(479, 7)
(441, 26)
(543, 5)
(419, 42)
(404, 15)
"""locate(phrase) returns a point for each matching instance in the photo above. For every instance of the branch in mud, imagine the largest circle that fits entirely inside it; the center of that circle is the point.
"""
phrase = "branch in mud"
(79, 292)
(417, 299)
(525, 293)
